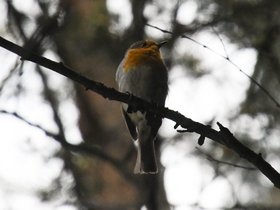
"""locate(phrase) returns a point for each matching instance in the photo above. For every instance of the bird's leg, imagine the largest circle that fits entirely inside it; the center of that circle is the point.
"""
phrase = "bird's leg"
(131, 104)
(153, 117)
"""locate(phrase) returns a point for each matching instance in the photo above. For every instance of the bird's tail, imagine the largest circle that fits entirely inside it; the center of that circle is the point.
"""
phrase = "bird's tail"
(146, 159)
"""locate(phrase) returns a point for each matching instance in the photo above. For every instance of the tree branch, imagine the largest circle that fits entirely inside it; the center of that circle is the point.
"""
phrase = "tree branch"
(226, 57)
(210, 158)
(224, 136)
(82, 148)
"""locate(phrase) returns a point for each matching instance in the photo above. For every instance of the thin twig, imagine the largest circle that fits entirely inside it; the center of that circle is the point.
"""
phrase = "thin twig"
(266, 92)
(210, 158)
(222, 42)
(10, 75)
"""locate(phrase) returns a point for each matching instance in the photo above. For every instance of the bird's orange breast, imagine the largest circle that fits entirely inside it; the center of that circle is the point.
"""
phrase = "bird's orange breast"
(142, 56)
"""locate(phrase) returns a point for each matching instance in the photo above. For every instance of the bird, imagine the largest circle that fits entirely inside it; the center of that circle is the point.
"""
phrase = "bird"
(143, 73)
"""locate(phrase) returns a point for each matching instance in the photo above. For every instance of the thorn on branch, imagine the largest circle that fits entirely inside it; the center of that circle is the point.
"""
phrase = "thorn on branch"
(202, 137)
(227, 135)
(191, 127)
(176, 125)
(201, 140)
(223, 129)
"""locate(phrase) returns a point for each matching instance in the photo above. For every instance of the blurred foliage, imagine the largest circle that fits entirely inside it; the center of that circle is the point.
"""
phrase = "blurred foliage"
(254, 24)
(80, 35)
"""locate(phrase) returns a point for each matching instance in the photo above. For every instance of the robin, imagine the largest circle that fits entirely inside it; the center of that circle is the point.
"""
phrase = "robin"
(143, 74)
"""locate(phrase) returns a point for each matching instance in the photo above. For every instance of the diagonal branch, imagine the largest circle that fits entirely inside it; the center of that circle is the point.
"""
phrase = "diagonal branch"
(226, 57)
(82, 148)
(210, 158)
(224, 136)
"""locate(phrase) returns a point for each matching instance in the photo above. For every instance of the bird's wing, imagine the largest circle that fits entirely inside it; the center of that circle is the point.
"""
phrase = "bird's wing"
(130, 125)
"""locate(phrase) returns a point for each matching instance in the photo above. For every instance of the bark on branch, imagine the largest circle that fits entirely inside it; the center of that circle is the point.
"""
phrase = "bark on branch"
(223, 136)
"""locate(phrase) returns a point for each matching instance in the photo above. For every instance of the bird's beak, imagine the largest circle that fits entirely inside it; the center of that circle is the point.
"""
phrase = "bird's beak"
(161, 44)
